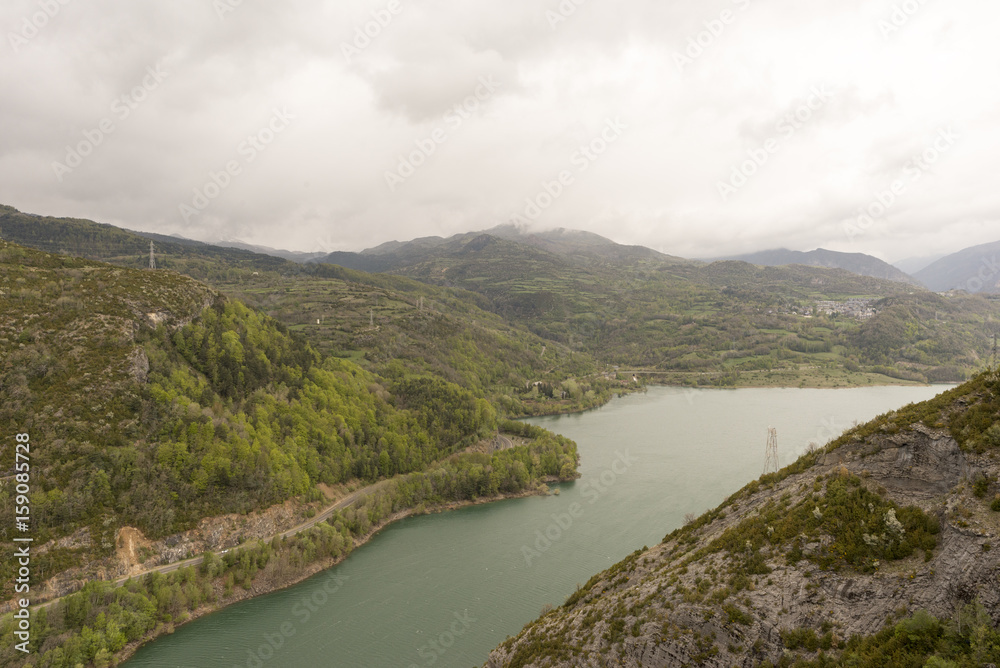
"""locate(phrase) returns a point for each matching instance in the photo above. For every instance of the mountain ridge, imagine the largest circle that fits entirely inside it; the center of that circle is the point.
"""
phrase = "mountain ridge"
(723, 324)
(974, 269)
(858, 263)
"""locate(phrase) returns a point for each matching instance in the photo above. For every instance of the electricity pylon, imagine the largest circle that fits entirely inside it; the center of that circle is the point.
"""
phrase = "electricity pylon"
(771, 461)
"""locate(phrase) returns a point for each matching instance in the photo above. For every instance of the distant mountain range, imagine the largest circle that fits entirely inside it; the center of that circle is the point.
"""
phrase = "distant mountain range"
(567, 290)
(857, 263)
(973, 270)
(584, 247)
(573, 246)
(912, 265)
(293, 256)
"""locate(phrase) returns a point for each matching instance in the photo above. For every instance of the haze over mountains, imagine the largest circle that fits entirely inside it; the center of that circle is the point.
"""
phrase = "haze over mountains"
(857, 263)
(572, 245)
(294, 256)
(912, 265)
(973, 270)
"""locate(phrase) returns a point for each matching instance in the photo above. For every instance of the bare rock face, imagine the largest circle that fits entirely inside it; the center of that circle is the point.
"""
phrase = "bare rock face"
(157, 318)
(684, 602)
(213, 533)
(139, 366)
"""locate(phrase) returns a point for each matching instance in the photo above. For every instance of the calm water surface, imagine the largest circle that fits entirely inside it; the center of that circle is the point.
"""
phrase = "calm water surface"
(443, 590)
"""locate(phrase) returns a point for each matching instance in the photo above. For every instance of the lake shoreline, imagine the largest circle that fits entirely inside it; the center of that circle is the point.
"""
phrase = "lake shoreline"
(326, 564)
(657, 481)
(315, 568)
(742, 386)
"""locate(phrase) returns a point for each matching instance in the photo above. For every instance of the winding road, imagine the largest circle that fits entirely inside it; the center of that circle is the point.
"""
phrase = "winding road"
(195, 561)
(505, 443)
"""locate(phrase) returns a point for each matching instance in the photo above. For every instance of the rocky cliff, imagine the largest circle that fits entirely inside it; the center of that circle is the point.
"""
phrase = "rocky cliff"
(897, 516)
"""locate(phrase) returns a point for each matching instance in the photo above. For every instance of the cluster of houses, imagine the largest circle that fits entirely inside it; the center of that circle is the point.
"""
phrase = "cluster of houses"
(862, 309)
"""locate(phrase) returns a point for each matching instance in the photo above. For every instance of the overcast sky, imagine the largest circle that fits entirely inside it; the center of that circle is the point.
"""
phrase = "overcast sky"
(697, 128)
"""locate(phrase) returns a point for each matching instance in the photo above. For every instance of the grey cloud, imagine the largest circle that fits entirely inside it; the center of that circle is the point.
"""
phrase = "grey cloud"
(322, 183)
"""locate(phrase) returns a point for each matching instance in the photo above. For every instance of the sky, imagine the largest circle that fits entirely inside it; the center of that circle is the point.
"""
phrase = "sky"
(698, 128)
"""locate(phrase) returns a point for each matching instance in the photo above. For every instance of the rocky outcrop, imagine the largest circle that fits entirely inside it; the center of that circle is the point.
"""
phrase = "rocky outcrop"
(135, 554)
(679, 603)
(139, 366)
(212, 534)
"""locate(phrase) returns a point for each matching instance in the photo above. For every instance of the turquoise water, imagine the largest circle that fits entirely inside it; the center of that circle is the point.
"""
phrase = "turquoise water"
(443, 590)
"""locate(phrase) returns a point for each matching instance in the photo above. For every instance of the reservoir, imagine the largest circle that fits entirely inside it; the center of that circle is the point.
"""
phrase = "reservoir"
(443, 590)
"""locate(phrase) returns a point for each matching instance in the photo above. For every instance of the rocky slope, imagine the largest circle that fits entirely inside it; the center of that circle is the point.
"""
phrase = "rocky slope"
(896, 516)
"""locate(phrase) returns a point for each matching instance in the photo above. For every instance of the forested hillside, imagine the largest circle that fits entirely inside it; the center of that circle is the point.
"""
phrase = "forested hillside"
(386, 324)
(153, 402)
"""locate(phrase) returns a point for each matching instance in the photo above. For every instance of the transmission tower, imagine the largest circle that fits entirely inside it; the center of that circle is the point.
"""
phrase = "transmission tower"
(771, 461)
(994, 351)
(152, 257)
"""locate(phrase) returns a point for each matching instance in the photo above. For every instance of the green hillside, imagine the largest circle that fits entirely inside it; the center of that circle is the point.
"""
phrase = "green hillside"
(154, 401)
(479, 310)
(727, 323)
(389, 325)
(97, 241)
